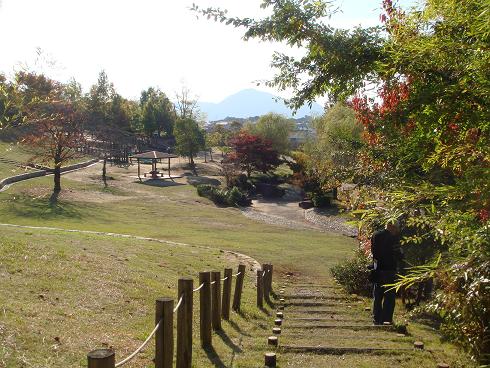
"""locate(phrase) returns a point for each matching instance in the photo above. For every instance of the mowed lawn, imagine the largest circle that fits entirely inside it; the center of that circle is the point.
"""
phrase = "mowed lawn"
(64, 294)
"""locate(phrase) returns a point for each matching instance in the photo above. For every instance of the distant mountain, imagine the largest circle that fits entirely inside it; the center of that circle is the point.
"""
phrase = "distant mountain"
(250, 102)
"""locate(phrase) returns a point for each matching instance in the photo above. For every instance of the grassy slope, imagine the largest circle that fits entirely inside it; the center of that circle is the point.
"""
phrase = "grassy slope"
(174, 213)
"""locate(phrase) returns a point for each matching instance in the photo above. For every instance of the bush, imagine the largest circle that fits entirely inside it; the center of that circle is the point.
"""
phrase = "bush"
(353, 274)
(224, 197)
(321, 199)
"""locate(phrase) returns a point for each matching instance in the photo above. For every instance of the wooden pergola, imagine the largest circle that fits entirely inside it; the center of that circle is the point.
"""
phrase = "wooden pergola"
(155, 157)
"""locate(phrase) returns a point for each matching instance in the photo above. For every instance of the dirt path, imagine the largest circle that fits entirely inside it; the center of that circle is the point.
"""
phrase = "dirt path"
(287, 213)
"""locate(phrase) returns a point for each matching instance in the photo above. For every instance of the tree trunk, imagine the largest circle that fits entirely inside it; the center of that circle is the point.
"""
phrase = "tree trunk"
(211, 154)
(104, 171)
(205, 156)
(57, 178)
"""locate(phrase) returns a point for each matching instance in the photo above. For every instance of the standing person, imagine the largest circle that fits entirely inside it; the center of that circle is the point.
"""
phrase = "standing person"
(386, 251)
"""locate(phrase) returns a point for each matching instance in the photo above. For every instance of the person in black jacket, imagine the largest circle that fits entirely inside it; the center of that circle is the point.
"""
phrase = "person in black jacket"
(386, 251)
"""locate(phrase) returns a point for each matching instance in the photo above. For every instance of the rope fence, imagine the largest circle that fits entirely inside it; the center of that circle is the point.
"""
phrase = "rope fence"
(215, 301)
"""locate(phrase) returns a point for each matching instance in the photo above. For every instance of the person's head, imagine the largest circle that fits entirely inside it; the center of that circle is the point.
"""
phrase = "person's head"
(393, 227)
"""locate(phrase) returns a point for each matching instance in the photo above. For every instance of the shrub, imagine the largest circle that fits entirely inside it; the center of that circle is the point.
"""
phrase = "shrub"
(353, 274)
(321, 199)
(224, 197)
(237, 198)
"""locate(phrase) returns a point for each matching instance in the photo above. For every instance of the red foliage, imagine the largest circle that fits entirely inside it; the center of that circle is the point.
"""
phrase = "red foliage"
(369, 113)
(251, 152)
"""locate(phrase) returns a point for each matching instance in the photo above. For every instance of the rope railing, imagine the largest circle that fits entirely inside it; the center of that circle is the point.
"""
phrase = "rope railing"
(178, 304)
(215, 305)
(141, 347)
(198, 288)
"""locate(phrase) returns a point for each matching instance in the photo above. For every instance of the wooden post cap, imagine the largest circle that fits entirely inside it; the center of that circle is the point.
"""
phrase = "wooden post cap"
(400, 335)
(280, 315)
(418, 345)
(101, 358)
(442, 365)
(276, 331)
(278, 322)
(387, 323)
(367, 309)
(282, 300)
(273, 340)
(101, 353)
(270, 359)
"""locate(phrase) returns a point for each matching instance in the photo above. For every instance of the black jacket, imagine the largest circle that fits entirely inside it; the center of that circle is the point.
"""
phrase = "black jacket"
(386, 251)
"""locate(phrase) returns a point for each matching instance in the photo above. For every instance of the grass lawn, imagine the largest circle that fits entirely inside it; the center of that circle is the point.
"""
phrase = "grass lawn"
(68, 293)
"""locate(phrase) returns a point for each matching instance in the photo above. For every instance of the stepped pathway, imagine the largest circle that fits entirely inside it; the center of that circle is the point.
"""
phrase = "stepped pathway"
(324, 327)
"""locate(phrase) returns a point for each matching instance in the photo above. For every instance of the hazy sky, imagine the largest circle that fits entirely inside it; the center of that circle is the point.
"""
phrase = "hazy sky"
(147, 42)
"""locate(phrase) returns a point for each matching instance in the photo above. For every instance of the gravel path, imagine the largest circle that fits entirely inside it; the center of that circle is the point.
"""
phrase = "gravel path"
(288, 214)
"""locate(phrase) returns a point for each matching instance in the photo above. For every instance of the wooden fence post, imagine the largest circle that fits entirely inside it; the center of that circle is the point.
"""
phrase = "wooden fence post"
(205, 309)
(260, 289)
(184, 324)
(226, 302)
(164, 337)
(237, 298)
(271, 272)
(216, 299)
(265, 268)
(101, 358)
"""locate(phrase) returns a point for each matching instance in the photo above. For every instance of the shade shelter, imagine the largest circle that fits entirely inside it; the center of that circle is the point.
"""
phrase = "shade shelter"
(154, 157)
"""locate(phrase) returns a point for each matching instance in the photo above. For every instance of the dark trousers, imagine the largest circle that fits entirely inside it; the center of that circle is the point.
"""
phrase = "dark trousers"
(384, 299)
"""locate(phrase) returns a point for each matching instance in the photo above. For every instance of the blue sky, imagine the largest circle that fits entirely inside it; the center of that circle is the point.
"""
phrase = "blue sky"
(147, 43)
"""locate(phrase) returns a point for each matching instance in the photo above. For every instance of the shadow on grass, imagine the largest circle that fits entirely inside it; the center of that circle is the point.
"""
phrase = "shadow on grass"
(229, 342)
(42, 208)
(214, 357)
(159, 183)
(237, 328)
(265, 311)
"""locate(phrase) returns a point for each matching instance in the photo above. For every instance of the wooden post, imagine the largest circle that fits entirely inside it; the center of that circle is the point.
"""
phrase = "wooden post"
(270, 359)
(226, 302)
(260, 289)
(184, 324)
(267, 291)
(216, 299)
(237, 298)
(273, 340)
(164, 337)
(205, 309)
(271, 272)
(101, 358)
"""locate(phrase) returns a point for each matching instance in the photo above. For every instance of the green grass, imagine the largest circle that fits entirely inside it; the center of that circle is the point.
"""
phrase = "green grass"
(68, 293)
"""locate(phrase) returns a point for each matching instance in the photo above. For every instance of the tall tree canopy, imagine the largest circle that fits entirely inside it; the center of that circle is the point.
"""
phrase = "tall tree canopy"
(275, 128)
(189, 138)
(157, 112)
(426, 133)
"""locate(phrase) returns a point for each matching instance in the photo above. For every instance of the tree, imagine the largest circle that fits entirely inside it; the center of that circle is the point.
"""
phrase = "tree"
(55, 127)
(187, 106)
(332, 154)
(426, 136)
(275, 128)
(251, 152)
(189, 138)
(158, 112)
